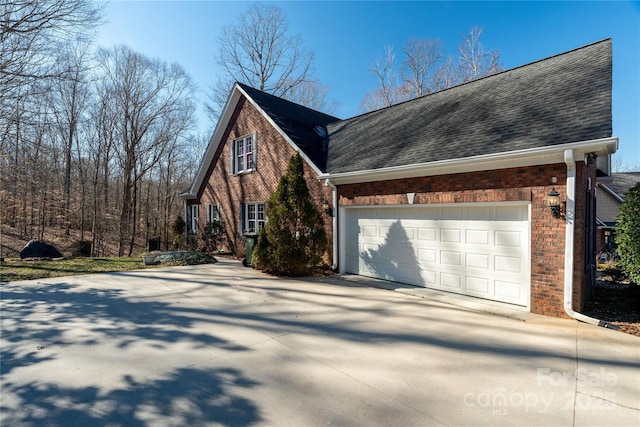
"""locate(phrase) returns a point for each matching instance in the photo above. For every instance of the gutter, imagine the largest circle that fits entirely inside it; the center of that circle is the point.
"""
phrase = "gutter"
(568, 249)
(334, 217)
(485, 162)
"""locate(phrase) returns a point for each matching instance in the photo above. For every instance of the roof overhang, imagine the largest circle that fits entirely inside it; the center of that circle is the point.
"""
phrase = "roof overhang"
(520, 158)
(214, 142)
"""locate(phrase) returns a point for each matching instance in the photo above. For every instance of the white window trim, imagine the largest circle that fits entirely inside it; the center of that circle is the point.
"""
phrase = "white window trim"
(235, 158)
(254, 208)
(195, 218)
(213, 212)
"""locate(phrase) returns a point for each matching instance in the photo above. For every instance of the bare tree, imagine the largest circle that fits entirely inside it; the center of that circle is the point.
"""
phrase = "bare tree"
(258, 50)
(426, 69)
(154, 106)
(384, 70)
(474, 61)
(422, 57)
(446, 75)
(390, 90)
(312, 94)
(72, 97)
(30, 33)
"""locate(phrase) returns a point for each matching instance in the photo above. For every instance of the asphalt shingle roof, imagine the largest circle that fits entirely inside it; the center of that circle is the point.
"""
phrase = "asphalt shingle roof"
(305, 127)
(562, 99)
(622, 182)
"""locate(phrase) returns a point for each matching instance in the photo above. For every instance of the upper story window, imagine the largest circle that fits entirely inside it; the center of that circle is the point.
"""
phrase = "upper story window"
(243, 154)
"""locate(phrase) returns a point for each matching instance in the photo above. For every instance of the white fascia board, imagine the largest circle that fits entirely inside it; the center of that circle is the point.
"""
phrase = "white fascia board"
(511, 159)
(612, 193)
(214, 143)
(284, 135)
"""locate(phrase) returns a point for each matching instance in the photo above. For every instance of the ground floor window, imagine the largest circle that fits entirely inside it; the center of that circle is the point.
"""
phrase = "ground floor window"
(254, 217)
(609, 240)
(195, 222)
(213, 213)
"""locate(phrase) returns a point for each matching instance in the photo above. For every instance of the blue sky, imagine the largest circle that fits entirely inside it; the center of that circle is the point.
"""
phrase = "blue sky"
(347, 36)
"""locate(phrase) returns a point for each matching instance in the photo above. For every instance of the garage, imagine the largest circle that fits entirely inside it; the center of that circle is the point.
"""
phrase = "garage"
(479, 250)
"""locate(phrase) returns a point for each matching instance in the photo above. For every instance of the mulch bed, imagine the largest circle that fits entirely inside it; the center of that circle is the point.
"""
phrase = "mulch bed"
(617, 303)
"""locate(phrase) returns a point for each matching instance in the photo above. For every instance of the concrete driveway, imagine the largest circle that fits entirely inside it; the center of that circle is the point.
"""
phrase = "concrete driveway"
(226, 345)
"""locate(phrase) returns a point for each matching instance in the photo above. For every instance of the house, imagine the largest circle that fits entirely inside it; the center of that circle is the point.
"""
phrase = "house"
(611, 194)
(450, 191)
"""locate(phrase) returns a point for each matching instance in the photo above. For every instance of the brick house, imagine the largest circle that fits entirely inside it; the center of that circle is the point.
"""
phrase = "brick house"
(449, 191)
(611, 192)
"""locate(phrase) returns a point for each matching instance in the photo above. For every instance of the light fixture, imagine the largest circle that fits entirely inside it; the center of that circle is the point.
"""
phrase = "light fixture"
(553, 200)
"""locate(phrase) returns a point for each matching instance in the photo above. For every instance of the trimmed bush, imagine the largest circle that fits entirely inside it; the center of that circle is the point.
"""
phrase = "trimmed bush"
(628, 234)
(293, 241)
(213, 235)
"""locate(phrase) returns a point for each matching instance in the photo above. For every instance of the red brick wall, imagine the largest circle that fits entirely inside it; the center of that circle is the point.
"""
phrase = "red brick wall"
(531, 184)
(229, 191)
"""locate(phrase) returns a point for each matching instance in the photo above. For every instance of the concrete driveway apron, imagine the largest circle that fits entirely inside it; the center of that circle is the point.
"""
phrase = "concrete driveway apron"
(225, 345)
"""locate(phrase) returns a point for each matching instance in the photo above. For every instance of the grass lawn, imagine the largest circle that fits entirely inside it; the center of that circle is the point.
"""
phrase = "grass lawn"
(13, 269)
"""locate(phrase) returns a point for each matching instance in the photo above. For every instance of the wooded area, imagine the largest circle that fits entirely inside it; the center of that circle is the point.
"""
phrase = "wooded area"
(96, 142)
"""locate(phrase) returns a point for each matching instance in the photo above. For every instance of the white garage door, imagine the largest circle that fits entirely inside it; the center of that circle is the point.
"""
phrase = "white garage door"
(478, 250)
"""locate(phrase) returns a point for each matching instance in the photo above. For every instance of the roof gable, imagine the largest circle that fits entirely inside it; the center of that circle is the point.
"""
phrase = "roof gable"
(622, 182)
(302, 127)
(558, 100)
(306, 128)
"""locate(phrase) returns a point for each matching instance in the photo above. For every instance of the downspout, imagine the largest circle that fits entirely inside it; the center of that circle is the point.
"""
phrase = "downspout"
(334, 226)
(569, 246)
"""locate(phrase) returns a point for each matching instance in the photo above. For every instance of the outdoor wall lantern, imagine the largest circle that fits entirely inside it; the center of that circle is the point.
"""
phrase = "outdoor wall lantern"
(553, 200)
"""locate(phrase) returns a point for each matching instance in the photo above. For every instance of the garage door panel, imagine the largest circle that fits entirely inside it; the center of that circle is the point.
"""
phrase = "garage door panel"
(369, 231)
(450, 258)
(508, 238)
(405, 273)
(481, 250)
(477, 237)
(406, 255)
(427, 234)
(427, 277)
(509, 264)
(476, 260)
(427, 255)
(508, 290)
(478, 285)
(451, 281)
(450, 235)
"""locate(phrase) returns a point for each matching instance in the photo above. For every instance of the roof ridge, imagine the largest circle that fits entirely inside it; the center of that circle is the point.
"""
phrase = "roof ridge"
(483, 78)
(281, 99)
